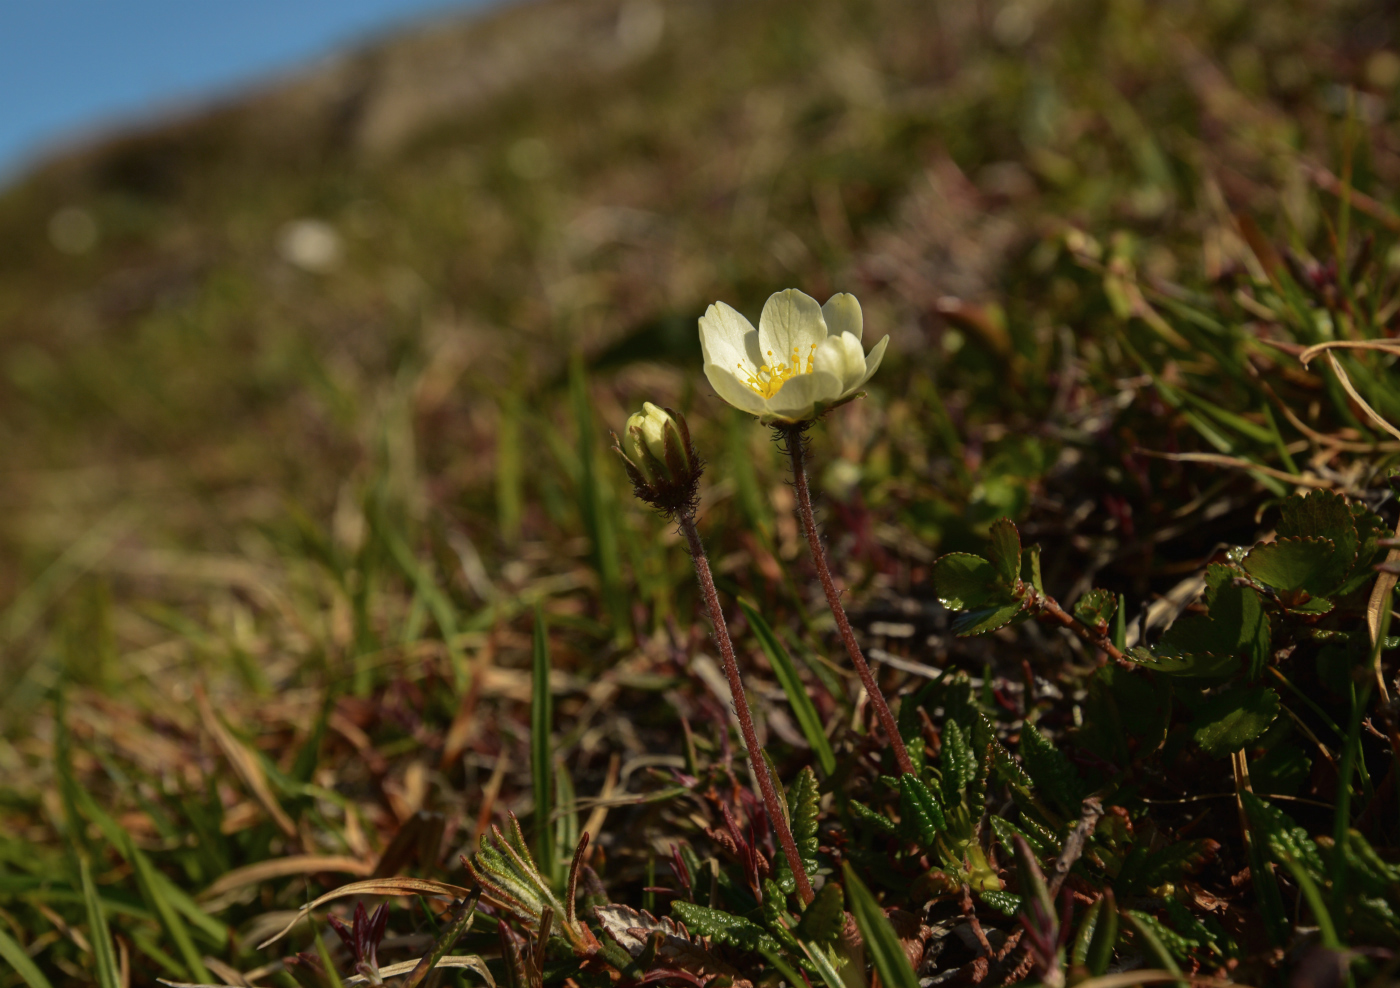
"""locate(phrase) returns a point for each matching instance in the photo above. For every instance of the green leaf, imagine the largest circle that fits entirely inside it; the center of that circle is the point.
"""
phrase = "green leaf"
(1203, 646)
(1052, 772)
(825, 916)
(541, 752)
(1190, 665)
(876, 820)
(881, 942)
(730, 930)
(1370, 529)
(24, 966)
(1126, 715)
(1095, 608)
(1283, 769)
(1007, 832)
(1006, 903)
(956, 763)
(1293, 564)
(1174, 860)
(919, 807)
(803, 802)
(1161, 941)
(987, 619)
(1005, 553)
(964, 582)
(1030, 567)
(803, 710)
(1323, 514)
(1283, 838)
(104, 958)
(1234, 717)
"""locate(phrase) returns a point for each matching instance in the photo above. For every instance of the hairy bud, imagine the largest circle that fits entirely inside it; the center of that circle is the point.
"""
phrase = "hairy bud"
(659, 458)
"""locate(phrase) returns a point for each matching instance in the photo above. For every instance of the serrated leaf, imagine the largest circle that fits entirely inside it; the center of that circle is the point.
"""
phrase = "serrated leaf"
(956, 763)
(964, 582)
(1174, 860)
(918, 805)
(1192, 665)
(723, 927)
(1234, 717)
(877, 820)
(1293, 564)
(1126, 715)
(1327, 515)
(1051, 771)
(1007, 832)
(1370, 529)
(825, 916)
(1284, 839)
(1006, 903)
(1005, 553)
(1096, 608)
(804, 800)
(987, 619)
(1030, 567)
(1210, 646)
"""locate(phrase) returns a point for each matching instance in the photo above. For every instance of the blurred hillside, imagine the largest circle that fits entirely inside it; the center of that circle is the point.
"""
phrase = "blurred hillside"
(209, 321)
(206, 325)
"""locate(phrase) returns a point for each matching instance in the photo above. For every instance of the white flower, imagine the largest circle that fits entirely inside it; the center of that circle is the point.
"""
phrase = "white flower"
(802, 360)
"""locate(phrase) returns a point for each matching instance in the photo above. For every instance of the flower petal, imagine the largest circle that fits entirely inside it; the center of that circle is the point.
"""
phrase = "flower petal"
(791, 322)
(797, 399)
(727, 338)
(872, 364)
(728, 386)
(843, 357)
(842, 314)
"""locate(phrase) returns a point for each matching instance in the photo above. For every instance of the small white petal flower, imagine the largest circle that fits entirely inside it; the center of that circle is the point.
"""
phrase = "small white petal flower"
(801, 361)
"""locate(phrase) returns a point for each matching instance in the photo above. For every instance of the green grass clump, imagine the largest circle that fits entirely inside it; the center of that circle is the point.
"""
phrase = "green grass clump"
(295, 551)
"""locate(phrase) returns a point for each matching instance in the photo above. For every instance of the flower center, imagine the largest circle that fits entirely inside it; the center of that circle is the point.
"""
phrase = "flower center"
(770, 377)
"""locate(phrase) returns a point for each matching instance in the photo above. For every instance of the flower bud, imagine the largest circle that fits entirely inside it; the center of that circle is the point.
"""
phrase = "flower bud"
(659, 458)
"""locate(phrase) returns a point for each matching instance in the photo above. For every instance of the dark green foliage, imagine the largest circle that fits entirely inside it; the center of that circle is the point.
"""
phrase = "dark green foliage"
(1234, 717)
(724, 928)
(824, 919)
(1051, 771)
(921, 810)
(1096, 608)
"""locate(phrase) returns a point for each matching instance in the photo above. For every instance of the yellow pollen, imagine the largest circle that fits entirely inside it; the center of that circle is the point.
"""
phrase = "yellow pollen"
(770, 376)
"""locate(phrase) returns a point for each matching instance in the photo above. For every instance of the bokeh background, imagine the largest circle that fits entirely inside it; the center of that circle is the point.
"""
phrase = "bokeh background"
(304, 386)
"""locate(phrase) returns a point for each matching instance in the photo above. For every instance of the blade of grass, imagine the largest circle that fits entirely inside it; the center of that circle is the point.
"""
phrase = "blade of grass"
(541, 721)
(598, 509)
(104, 958)
(881, 942)
(453, 932)
(438, 603)
(24, 966)
(802, 707)
(510, 487)
(148, 880)
(332, 975)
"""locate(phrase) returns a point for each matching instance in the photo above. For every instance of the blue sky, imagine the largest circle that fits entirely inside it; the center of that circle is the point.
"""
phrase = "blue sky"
(69, 68)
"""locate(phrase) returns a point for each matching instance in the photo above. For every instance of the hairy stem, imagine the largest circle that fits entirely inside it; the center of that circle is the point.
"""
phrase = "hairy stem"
(792, 435)
(741, 705)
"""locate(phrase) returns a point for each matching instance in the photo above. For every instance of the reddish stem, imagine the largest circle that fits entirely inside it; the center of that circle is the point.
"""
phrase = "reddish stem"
(794, 439)
(741, 705)
(1047, 608)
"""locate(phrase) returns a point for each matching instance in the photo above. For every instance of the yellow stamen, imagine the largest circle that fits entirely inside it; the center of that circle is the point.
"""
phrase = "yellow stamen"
(770, 377)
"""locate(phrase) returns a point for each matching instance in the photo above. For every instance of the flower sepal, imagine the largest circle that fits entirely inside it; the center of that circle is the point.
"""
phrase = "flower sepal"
(659, 458)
